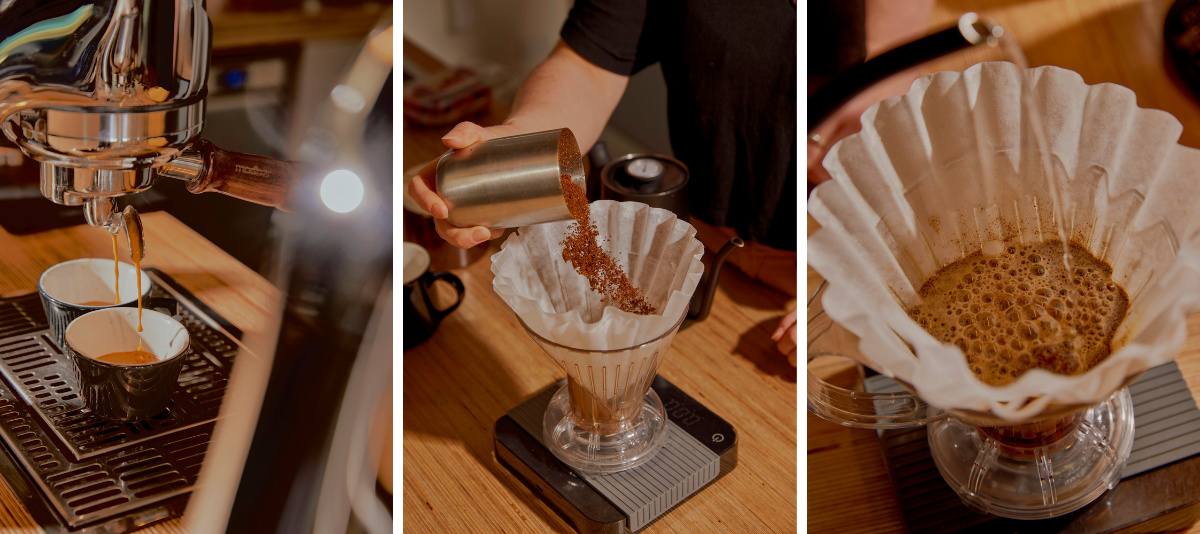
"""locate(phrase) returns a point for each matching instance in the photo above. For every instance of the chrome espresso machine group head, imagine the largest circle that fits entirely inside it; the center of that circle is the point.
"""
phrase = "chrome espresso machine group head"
(107, 94)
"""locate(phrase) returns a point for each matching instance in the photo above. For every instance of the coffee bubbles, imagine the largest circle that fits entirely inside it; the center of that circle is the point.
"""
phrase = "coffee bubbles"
(1017, 310)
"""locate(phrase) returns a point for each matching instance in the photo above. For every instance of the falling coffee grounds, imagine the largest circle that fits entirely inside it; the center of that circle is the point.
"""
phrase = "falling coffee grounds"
(1018, 310)
(582, 250)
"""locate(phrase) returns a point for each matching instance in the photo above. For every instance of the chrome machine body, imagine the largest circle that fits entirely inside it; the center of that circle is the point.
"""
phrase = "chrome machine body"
(102, 93)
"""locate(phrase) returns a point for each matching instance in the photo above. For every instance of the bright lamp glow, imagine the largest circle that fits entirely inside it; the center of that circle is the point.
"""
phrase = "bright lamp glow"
(341, 191)
(348, 98)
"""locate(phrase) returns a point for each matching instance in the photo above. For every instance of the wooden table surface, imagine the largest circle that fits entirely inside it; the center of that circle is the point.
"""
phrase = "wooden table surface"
(225, 284)
(480, 363)
(1117, 41)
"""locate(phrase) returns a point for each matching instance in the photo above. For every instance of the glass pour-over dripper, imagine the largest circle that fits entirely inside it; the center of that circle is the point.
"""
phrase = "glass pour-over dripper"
(606, 418)
(1033, 470)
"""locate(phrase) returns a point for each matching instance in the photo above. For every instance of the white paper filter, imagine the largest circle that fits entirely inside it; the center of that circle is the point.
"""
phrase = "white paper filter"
(937, 173)
(655, 249)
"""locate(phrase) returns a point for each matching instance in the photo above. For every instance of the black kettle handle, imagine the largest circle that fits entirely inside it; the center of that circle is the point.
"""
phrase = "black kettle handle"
(698, 309)
(970, 30)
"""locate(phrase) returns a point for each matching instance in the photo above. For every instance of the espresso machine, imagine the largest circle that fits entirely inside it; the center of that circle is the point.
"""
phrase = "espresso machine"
(108, 96)
(279, 430)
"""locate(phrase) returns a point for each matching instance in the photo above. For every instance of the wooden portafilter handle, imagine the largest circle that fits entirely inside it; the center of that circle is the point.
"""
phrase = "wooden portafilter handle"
(203, 167)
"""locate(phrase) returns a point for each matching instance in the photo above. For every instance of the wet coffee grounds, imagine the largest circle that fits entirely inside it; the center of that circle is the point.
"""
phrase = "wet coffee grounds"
(582, 250)
(1018, 310)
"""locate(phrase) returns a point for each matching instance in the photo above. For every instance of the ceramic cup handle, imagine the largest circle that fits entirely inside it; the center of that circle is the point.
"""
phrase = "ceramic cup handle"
(166, 305)
(438, 315)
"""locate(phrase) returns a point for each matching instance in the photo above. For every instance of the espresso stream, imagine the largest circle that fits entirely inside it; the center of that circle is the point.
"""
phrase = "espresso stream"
(138, 356)
(1019, 310)
(116, 272)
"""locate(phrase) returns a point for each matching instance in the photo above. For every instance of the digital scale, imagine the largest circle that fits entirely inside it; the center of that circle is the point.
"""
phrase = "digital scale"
(1159, 489)
(701, 448)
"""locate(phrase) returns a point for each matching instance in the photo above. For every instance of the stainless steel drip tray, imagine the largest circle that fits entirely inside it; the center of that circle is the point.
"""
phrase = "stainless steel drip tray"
(43, 378)
(92, 470)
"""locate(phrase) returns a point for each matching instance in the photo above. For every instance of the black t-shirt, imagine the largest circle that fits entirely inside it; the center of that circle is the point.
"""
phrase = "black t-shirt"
(730, 69)
(837, 36)
(837, 40)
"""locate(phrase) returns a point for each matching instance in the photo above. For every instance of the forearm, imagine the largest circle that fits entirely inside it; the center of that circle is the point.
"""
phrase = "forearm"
(568, 91)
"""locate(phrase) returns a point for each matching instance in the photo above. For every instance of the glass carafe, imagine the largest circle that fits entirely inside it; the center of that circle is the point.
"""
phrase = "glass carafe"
(1035, 469)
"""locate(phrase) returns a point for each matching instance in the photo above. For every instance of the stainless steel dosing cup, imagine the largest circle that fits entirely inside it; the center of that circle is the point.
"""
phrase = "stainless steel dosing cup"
(511, 181)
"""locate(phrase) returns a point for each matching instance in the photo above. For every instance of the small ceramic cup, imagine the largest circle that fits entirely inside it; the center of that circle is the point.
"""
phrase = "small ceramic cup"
(421, 317)
(118, 391)
(73, 288)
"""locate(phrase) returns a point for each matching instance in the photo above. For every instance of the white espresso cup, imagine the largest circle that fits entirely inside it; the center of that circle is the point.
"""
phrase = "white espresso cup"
(73, 288)
(126, 392)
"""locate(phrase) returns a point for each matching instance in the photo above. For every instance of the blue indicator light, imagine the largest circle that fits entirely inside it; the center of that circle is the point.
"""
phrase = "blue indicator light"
(235, 78)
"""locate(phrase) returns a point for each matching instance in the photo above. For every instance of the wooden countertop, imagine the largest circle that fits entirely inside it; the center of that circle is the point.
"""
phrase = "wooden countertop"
(480, 363)
(1118, 41)
(225, 284)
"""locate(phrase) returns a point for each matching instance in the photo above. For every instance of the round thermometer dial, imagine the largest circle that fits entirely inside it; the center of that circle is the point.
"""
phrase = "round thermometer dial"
(644, 168)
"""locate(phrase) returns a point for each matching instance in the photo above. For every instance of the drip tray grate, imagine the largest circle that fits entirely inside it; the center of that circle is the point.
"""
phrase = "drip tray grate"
(90, 469)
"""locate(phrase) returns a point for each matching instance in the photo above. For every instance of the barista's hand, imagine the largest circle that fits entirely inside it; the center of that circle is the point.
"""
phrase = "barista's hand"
(422, 189)
(785, 336)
